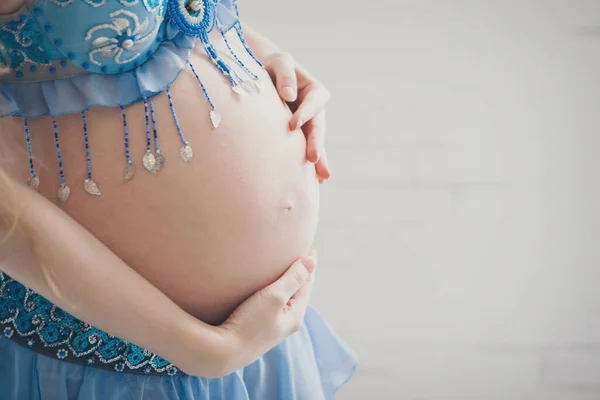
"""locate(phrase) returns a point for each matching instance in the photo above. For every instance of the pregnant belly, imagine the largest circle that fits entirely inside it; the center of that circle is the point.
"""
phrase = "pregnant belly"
(207, 234)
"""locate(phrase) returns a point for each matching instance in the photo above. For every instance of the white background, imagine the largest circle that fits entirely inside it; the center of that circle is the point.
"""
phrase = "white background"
(460, 235)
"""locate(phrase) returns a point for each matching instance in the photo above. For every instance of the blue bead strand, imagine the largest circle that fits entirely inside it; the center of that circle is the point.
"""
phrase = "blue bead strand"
(215, 116)
(149, 161)
(218, 62)
(126, 133)
(29, 150)
(160, 160)
(64, 191)
(88, 158)
(57, 145)
(154, 127)
(33, 181)
(235, 56)
(148, 137)
(183, 139)
(129, 167)
(186, 151)
(212, 106)
(240, 32)
(89, 185)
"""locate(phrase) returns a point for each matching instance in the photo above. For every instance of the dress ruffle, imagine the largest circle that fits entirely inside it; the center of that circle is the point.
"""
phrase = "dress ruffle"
(310, 365)
(72, 95)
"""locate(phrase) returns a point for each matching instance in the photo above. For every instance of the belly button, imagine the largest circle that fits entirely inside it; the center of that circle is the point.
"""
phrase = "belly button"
(287, 209)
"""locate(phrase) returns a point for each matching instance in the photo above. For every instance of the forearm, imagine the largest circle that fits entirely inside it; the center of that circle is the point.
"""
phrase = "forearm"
(79, 274)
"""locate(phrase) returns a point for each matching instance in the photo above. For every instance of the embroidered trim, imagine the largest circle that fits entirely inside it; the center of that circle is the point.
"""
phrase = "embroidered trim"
(32, 321)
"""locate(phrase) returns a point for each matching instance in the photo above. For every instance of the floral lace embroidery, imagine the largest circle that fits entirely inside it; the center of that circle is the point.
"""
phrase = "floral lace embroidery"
(130, 34)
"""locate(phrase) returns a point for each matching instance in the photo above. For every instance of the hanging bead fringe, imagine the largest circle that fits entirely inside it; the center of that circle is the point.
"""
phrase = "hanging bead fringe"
(240, 33)
(235, 56)
(238, 85)
(64, 192)
(215, 116)
(89, 185)
(129, 167)
(149, 161)
(160, 160)
(186, 152)
(33, 181)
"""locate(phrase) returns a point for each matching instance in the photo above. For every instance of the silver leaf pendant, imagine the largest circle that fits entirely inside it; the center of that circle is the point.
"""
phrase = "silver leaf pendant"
(249, 88)
(129, 172)
(239, 90)
(63, 193)
(258, 84)
(187, 153)
(91, 187)
(160, 161)
(150, 162)
(33, 182)
(215, 118)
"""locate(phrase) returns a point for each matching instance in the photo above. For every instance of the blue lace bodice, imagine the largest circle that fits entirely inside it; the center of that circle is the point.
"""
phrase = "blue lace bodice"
(53, 39)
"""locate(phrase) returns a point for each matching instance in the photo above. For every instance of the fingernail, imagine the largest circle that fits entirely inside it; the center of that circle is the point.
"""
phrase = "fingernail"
(309, 263)
(318, 157)
(289, 93)
(299, 124)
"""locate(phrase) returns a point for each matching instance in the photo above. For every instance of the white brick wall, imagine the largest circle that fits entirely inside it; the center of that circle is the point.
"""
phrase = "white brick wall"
(460, 237)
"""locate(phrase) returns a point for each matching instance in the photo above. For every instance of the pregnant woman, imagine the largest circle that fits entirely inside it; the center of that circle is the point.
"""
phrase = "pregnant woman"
(183, 160)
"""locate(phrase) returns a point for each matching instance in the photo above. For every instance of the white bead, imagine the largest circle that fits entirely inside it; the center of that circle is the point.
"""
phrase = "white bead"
(196, 5)
(127, 43)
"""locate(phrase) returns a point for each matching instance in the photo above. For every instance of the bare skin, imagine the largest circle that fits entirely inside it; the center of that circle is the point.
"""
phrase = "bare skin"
(209, 234)
(10, 6)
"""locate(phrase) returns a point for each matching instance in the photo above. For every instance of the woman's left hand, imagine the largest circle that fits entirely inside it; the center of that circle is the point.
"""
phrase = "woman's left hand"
(307, 98)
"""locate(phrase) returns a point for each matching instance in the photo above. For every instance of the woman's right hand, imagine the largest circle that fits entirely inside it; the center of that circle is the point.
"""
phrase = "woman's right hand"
(269, 316)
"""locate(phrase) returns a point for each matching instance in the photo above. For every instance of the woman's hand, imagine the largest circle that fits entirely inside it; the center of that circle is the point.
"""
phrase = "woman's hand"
(307, 98)
(269, 316)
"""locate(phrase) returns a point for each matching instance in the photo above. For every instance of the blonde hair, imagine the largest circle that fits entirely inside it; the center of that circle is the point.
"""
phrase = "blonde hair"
(9, 217)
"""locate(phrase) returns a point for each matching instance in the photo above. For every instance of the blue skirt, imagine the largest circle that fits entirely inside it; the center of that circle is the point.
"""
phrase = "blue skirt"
(310, 365)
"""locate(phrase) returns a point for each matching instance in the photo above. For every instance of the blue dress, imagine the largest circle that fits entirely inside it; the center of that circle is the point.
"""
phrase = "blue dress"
(66, 56)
